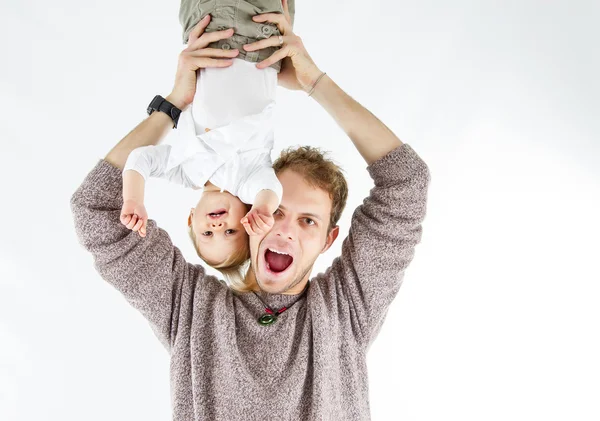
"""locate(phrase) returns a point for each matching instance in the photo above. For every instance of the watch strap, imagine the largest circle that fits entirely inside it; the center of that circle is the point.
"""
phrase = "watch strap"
(158, 103)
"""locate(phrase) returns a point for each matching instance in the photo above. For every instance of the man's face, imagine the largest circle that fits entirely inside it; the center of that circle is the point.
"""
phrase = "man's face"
(283, 258)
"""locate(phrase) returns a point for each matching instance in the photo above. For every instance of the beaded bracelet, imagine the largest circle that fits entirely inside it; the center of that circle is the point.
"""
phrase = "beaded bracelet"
(315, 84)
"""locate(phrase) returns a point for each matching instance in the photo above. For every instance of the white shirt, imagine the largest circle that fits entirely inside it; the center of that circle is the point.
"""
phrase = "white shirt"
(237, 104)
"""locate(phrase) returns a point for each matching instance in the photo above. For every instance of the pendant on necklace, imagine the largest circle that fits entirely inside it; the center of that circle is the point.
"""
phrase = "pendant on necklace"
(267, 319)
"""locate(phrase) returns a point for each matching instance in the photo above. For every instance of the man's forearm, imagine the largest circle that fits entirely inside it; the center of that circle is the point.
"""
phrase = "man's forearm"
(371, 137)
(148, 132)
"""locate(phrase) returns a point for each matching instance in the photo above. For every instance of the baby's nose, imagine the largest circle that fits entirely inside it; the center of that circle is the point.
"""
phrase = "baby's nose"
(217, 224)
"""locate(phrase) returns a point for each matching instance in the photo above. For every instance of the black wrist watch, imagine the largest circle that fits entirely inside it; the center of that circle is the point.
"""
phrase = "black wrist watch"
(161, 104)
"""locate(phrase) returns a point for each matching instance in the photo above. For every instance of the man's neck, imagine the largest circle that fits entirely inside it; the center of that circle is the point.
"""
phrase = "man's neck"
(250, 280)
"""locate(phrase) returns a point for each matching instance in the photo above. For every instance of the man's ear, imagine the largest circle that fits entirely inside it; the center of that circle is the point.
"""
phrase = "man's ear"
(331, 238)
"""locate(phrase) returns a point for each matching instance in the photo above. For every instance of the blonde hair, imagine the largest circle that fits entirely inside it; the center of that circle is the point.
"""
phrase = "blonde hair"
(233, 268)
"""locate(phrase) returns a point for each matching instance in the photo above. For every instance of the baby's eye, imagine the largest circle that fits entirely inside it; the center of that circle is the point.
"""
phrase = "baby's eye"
(207, 233)
(230, 232)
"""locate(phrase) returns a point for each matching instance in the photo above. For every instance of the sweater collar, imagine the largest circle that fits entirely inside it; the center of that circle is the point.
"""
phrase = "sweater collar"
(279, 300)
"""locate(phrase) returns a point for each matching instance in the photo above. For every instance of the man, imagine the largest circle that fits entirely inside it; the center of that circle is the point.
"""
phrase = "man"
(291, 349)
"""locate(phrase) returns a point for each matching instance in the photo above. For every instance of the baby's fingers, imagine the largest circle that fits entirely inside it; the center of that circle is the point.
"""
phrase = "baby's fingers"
(138, 225)
(125, 219)
(143, 229)
(248, 228)
(132, 222)
(259, 225)
(252, 224)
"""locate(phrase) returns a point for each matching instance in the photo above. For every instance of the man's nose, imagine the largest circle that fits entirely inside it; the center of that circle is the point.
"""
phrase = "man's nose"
(285, 230)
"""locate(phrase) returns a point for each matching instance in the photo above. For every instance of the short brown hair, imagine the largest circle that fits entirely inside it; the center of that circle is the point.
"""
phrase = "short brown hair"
(318, 171)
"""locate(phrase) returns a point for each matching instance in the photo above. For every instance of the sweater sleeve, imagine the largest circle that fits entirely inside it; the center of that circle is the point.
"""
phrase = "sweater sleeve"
(150, 272)
(361, 283)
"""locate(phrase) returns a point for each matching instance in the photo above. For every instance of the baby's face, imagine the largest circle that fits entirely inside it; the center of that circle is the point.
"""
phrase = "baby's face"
(216, 223)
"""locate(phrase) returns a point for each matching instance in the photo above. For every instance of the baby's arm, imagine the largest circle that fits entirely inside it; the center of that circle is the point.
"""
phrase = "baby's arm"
(142, 163)
(266, 201)
(260, 218)
(133, 212)
(264, 191)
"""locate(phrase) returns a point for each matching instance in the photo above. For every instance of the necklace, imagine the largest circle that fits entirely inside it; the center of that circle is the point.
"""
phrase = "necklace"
(271, 315)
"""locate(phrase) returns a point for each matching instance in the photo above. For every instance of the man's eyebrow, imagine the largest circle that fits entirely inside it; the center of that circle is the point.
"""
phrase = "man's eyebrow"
(312, 215)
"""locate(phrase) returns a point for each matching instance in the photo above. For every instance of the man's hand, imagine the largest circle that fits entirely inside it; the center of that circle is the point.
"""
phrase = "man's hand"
(298, 70)
(197, 56)
(258, 221)
(134, 216)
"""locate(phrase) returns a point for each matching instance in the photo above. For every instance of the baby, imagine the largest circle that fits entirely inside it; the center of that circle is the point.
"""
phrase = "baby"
(222, 145)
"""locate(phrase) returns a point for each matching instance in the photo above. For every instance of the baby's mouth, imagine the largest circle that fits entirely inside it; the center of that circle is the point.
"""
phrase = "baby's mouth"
(217, 213)
(277, 261)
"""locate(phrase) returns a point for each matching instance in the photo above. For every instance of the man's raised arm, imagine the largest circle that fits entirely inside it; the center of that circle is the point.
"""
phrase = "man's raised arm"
(386, 228)
(372, 138)
(149, 132)
(149, 271)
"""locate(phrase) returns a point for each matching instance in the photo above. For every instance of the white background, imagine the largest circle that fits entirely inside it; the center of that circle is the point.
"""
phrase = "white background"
(498, 318)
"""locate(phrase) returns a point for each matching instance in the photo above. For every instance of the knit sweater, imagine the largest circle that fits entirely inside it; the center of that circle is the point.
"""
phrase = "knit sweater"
(311, 363)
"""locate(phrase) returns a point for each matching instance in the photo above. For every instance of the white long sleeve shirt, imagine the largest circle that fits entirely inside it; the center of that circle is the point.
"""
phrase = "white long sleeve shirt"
(236, 103)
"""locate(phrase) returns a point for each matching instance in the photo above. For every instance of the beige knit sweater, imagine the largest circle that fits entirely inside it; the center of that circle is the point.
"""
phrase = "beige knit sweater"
(311, 363)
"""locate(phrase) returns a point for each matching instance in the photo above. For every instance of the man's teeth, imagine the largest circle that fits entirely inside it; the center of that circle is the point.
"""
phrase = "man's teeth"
(278, 252)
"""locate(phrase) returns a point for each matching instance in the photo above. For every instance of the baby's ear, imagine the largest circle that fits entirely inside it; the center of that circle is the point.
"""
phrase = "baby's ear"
(190, 219)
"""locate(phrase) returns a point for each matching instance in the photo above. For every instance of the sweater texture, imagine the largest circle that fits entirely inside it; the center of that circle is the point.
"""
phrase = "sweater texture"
(311, 363)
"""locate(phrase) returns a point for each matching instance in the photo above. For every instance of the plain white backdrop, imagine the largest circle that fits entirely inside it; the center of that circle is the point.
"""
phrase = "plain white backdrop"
(498, 317)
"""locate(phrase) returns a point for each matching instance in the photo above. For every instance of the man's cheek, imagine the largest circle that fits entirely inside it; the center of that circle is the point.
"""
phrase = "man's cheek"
(311, 249)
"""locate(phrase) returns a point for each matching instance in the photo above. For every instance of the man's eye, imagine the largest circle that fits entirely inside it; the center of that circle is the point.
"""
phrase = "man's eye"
(309, 221)
(207, 233)
(277, 211)
(230, 232)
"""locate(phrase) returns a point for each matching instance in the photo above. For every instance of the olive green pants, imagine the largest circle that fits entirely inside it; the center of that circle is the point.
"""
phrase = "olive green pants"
(235, 14)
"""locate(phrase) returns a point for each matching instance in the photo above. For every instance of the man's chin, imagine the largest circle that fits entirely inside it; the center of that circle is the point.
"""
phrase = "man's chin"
(274, 281)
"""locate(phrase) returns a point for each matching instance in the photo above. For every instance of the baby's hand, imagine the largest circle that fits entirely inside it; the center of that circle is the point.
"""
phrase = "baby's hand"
(134, 216)
(258, 221)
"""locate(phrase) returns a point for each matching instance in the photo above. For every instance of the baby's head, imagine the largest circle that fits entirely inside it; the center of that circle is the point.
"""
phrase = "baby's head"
(216, 232)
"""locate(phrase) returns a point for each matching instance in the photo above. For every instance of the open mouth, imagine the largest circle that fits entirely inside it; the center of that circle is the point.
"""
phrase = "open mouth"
(217, 213)
(277, 261)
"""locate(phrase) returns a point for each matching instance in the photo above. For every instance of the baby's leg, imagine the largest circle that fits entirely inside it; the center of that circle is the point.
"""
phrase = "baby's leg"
(224, 95)
(235, 14)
